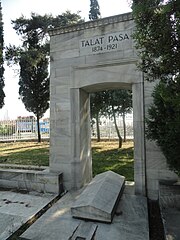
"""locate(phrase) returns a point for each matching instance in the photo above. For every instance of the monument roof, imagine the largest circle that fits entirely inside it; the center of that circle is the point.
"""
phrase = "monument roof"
(91, 24)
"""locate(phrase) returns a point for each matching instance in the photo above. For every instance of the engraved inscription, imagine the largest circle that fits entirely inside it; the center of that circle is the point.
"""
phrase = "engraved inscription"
(106, 43)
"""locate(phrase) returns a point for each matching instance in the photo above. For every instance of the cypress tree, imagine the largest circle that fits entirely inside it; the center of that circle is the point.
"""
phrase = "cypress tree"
(33, 59)
(94, 12)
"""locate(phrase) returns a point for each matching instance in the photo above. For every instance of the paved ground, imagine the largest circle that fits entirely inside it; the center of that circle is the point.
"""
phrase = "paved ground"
(17, 208)
(172, 223)
(129, 223)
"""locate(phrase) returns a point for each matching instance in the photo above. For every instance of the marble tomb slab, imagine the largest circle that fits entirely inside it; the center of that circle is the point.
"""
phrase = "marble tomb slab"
(99, 200)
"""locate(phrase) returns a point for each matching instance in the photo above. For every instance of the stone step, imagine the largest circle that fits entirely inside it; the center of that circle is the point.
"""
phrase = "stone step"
(42, 181)
(99, 200)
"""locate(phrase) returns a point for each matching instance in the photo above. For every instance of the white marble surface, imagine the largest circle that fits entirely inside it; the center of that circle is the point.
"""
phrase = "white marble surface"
(17, 208)
(73, 77)
(130, 221)
(31, 180)
(100, 198)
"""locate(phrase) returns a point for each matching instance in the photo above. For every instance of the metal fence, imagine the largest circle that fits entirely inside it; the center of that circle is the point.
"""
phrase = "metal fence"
(26, 129)
(23, 128)
(107, 129)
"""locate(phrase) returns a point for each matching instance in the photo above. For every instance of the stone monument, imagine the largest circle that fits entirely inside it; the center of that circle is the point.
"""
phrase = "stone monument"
(90, 57)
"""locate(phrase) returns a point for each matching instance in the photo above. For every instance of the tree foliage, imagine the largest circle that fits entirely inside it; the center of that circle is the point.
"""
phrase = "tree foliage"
(34, 83)
(2, 95)
(119, 103)
(94, 12)
(39, 25)
(97, 104)
(157, 38)
(111, 104)
(33, 59)
(163, 124)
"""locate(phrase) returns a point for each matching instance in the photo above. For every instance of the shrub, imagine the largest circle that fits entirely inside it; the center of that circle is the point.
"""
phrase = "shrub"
(163, 123)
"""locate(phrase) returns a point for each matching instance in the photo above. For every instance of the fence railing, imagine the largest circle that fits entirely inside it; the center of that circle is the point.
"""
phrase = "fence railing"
(26, 129)
(107, 130)
(23, 128)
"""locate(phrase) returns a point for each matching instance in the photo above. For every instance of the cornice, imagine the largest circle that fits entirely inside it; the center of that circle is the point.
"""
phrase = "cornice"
(92, 24)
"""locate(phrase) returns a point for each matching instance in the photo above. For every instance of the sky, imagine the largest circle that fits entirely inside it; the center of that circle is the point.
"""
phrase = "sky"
(13, 9)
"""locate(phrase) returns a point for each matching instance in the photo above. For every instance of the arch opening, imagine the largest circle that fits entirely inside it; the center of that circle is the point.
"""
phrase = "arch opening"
(112, 141)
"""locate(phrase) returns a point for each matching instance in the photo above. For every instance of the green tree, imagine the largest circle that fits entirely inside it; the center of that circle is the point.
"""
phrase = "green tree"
(111, 104)
(94, 12)
(2, 95)
(157, 38)
(163, 124)
(119, 103)
(97, 104)
(7, 129)
(37, 24)
(34, 83)
(33, 59)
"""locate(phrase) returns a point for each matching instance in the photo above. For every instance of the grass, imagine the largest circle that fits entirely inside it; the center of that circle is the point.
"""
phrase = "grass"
(106, 156)
(25, 153)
